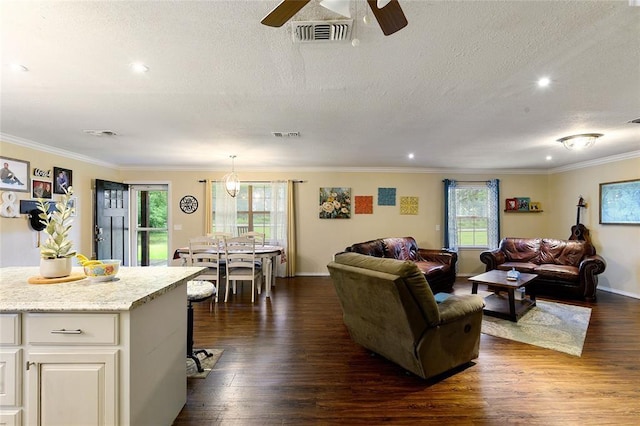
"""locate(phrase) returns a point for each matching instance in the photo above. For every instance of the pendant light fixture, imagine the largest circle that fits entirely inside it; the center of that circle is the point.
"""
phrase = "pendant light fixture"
(231, 181)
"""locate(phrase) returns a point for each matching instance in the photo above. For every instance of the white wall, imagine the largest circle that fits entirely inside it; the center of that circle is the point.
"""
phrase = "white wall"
(618, 244)
(320, 239)
(18, 242)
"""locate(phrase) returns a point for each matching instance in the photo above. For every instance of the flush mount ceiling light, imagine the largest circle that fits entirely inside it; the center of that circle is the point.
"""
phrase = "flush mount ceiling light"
(231, 180)
(578, 142)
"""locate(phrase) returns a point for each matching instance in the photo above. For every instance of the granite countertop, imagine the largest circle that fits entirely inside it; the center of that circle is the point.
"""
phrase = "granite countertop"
(132, 287)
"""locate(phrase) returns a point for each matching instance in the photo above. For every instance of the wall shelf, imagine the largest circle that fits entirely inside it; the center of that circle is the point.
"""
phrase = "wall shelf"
(523, 211)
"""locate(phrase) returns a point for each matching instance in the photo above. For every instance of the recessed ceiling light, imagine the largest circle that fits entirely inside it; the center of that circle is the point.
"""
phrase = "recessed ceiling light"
(549, 158)
(544, 82)
(411, 156)
(139, 67)
(18, 67)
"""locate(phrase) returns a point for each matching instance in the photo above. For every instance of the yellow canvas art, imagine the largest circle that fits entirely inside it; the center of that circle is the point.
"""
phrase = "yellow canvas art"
(408, 205)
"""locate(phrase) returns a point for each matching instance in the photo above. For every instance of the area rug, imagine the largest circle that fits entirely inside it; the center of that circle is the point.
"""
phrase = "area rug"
(206, 362)
(550, 325)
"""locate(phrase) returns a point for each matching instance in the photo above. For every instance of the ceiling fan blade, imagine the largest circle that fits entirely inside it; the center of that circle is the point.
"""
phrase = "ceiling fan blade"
(391, 17)
(283, 12)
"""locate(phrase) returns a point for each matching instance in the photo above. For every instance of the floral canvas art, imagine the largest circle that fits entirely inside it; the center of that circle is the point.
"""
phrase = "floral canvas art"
(335, 203)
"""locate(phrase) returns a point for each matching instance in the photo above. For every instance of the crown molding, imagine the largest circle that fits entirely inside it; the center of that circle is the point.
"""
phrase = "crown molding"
(597, 162)
(409, 170)
(53, 150)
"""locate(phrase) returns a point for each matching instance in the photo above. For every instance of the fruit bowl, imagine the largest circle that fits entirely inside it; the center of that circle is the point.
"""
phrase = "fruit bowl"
(105, 270)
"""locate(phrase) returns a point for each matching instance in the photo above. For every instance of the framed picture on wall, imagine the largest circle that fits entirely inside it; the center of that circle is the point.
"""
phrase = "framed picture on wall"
(62, 180)
(335, 203)
(523, 203)
(14, 175)
(620, 203)
(511, 204)
(41, 189)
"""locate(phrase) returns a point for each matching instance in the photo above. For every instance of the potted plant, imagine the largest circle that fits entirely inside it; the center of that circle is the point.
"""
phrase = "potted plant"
(57, 251)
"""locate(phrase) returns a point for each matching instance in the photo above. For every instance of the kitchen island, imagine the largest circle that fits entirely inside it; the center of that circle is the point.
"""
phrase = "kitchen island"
(88, 352)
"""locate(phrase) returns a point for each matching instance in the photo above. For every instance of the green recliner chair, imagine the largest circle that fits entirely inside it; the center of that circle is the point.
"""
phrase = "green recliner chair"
(389, 309)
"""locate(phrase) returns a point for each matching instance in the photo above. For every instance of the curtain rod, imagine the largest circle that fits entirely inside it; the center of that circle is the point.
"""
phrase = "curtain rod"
(260, 181)
(471, 181)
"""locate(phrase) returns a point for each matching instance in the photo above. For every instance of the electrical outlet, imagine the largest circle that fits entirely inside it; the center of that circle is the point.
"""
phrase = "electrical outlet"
(437, 227)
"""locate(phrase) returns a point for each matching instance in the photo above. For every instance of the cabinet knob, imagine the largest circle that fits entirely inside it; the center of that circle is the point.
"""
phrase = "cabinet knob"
(29, 364)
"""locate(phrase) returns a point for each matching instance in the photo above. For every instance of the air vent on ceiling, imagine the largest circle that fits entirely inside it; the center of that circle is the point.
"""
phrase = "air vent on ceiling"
(306, 31)
(286, 134)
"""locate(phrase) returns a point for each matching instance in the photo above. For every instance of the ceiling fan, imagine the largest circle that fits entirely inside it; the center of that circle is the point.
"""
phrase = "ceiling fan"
(388, 13)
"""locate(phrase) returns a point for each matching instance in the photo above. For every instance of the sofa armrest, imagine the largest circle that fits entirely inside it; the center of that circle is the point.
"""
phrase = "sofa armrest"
(588, 272)
(459, 306)
(439, 256)
(492, 258)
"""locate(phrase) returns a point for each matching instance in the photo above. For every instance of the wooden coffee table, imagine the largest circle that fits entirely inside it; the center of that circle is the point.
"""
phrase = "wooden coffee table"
(495, 304)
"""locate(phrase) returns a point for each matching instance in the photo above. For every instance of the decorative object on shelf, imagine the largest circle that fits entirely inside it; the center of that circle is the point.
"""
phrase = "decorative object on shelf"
(63, 179)
(188, 204)
(14, 175)
(523, 203)
(57, 250)
(620, 202)
(364, 204)
(534, 206)
(511, 204)
(409, 205)
(335, 203)
(8, 208)
(581, 141)
(386, 196)
(40, 189)
(231, 180)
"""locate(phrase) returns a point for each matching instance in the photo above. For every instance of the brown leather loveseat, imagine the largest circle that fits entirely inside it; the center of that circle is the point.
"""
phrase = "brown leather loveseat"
(564, 267)
(438, 266)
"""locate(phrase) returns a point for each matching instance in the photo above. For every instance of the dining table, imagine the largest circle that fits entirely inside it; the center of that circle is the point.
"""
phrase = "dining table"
(267, 253)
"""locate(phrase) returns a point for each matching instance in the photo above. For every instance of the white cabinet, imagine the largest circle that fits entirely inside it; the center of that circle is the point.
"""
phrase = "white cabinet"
(72, 388)
(70, 383)
(10, 369)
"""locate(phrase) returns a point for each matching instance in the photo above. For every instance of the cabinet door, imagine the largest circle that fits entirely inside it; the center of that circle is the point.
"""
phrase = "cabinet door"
(76, 388)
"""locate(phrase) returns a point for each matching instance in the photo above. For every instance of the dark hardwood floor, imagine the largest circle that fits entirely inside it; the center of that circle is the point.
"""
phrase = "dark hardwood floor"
(289, 360)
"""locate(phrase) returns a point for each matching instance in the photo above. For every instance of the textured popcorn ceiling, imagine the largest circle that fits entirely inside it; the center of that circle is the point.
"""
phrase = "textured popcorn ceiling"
(457, 87)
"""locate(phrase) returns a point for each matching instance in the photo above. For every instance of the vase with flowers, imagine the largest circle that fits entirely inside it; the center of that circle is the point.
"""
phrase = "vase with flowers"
(56, 252)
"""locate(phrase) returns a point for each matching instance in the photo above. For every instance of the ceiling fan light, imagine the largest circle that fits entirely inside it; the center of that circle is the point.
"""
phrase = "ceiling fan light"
(341, 7)
(383, 3)
(579, 142)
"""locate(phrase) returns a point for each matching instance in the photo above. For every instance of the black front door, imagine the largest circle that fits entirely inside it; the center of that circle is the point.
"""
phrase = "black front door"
(111, 221)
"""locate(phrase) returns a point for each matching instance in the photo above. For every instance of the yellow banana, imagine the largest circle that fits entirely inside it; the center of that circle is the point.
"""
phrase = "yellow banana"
(91, 262)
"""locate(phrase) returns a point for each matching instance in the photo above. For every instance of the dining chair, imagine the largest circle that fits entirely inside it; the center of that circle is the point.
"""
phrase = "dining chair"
(206, 252)
(240, 255)
(242, 229)
(259, 237)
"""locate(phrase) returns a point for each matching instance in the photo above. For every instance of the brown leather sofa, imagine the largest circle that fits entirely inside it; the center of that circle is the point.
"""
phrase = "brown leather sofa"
(438, 266)
(389, 309)
(564, 267)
